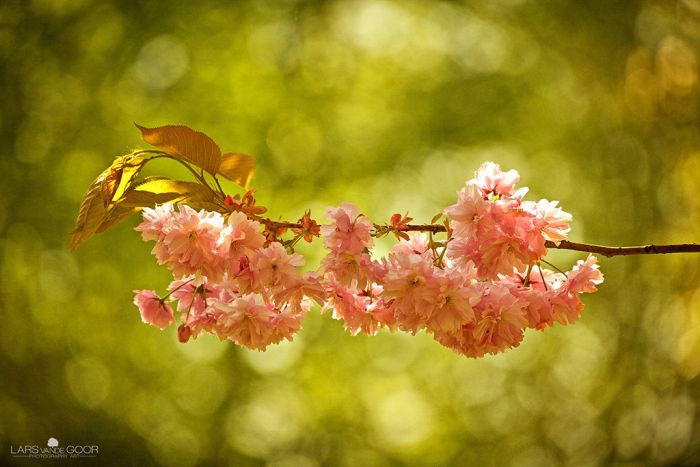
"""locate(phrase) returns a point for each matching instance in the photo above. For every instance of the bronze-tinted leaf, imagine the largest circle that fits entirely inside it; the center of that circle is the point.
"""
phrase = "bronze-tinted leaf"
(158, 190)
(185, 143)
(116, 215)
(112, 180)
(91, 213)
(208, 205)
(120, 177)
(239, 168)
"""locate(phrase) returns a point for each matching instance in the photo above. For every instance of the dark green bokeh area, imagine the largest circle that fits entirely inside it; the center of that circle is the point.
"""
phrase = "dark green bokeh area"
(392, 106)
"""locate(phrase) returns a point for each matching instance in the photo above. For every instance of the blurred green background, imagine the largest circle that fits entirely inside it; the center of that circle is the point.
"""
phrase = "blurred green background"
(390, 105)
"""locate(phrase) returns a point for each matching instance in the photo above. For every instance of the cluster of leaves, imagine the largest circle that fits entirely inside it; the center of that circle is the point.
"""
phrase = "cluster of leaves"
(118, 192)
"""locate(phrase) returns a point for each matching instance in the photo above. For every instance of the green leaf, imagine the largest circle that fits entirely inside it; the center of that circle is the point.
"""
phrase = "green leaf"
(185, 143)
(239, 168)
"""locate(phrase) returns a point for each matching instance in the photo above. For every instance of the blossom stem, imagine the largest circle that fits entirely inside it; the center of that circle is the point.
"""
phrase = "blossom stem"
(544, 282)
(527, 275)
(176, 289)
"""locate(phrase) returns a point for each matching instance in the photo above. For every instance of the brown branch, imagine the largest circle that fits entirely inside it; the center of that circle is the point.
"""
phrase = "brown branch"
(611, 251)
(608, 251)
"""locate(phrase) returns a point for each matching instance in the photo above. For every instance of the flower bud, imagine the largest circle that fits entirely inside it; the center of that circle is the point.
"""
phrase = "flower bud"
(184, 333)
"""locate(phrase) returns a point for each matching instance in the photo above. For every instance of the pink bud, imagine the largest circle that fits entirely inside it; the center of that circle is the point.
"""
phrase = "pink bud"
(184, 333)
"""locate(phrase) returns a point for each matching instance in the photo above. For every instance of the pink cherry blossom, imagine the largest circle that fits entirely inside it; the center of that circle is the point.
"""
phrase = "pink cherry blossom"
(241, 236)
(350, 231)
(499, 324)
(297, 292)
(411, 281)
(467, 212)
(536, 293)
(273, 267)
(500, 319)
(452, 304)
(287, 322)
(556, 221)
(191, 241)
(585, 276)
(504, 238)
(190, 295)
(417, 244)
(352, 270)
(247, 321)
(566, 306)
(490, 179)
(154, 311)
(362, 311)
(155, 221)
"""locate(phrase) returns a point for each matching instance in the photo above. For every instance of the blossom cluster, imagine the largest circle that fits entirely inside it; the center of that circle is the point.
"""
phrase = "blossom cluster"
(227, 281)
(476, 292)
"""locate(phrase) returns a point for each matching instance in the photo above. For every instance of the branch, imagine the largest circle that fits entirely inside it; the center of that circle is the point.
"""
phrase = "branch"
(607, 251)
(611, 251)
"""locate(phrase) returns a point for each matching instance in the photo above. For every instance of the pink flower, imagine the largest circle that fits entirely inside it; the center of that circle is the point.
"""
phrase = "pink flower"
(247, 321)
(417, 244)
(296, 293)
(453, 301)
(191, 242)
(350, 231)
(351, 270)
(362, 311)
(556, 221)
(241, 236)
(566, 303)
(500, 321)
(189, 295)
(537, 294)
(154, 311)
(585, 276)
(490, 179)
(273, 267)
(467, 212)
(155, 221)
(505, 238)
(412, 283)
(251, 321)
(566, 306)
(287, 322)
(203, 315)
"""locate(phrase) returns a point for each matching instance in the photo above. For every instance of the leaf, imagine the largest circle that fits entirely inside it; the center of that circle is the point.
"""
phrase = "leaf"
(91, 213)
(185, 143)
(158, 190)
(95, 212)
(111, 181)
(239, 168)
(120, 177)
(116, 215)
